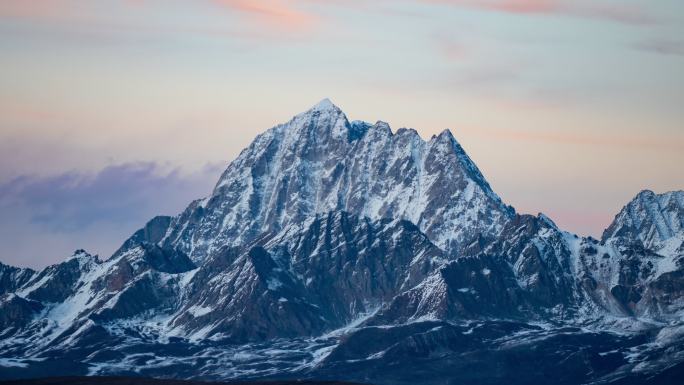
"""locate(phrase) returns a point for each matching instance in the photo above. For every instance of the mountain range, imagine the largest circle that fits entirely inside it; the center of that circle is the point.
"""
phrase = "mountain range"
(337, 249)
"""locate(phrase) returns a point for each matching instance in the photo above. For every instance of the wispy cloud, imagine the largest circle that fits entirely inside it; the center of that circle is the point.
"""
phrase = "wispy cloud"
(272, 13)
(102, 22)
(662, 46)
(629, 141)
(510, 6)
(621, 13)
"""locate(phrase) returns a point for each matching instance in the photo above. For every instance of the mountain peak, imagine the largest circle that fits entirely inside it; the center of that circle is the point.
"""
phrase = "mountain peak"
(446, 133)
(320, 114)
(83, 257)
(544, 218)
(650, 217)
(324, 105)
(319, 161)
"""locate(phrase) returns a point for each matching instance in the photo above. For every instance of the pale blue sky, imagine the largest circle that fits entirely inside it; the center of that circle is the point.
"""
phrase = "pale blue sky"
(568, 107)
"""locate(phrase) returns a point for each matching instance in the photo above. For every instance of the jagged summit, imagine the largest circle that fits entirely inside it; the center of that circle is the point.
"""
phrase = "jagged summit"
(326, 111)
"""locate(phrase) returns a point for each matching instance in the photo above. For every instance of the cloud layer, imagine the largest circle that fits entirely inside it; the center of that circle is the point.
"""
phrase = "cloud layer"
(67, 209)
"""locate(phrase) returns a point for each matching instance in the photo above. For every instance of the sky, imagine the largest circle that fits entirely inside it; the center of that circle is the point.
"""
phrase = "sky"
(112, 112)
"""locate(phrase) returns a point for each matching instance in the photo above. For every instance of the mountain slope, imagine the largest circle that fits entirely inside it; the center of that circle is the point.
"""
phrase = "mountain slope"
(341, 250)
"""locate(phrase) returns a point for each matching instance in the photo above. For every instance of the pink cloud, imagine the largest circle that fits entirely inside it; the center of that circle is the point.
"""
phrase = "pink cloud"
(519, 6)
(275, 13)
(266, 20)
(625, 14)
(32, 9)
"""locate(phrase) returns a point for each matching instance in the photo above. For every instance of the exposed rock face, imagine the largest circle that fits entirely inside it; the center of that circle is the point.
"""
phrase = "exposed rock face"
(337, 249)
(15, 311)
(527, 272)
(299, 284)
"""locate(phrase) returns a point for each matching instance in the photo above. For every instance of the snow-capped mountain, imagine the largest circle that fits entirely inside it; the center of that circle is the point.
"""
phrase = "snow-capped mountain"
(320, 162)
(338, 249)
(655, 221)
